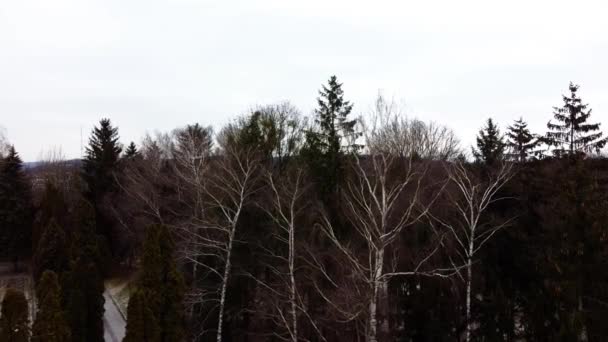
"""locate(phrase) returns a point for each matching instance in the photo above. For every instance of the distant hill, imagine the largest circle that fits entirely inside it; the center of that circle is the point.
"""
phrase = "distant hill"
(34, 165)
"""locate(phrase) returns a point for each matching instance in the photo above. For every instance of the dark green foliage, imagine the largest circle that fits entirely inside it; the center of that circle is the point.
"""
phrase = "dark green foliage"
(490, 144)
(571, 134)
(50, 324)
(521, 142)
(332, 138)
(84, 301)
(86, 241)
(99, 168)
(158, 300)
(131, 151)
(101, 160)
(53, 206)
(83, 285)
(260, 133)
(15, 208)
(142, 324)
(52, 252)
(574, 228)
(272, 131)
(14, 321)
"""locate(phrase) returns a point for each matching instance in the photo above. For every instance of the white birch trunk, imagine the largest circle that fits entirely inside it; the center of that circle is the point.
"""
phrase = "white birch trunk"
(225, 279)
(292, 281)
(373, 304)
(468, 300)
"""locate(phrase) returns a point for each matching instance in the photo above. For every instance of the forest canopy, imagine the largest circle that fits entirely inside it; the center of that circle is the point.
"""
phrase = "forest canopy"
(341, 226)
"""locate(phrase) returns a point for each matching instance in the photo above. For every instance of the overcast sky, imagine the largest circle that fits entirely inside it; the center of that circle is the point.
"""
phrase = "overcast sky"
(155, 65)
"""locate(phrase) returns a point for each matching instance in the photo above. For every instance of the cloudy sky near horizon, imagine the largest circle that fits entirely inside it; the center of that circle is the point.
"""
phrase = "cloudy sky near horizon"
(156, 65)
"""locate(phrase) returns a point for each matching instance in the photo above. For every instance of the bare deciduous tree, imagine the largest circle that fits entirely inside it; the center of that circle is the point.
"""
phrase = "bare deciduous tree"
(471, 230)
(405, 137)
(210, 237)
(382, 198)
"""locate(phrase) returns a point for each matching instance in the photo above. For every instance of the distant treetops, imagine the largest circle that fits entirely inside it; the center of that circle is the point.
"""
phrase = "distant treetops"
(569, 134)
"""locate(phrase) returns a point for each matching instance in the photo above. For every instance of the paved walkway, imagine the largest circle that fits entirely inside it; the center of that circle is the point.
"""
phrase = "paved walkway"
(114, 324)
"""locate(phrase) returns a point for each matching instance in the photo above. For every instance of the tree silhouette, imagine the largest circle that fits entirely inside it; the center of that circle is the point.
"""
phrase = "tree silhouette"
(131, 151)
(521, 141)
(571, 134)
(490, 145)
(98, 171)
(15, 208)
(333, 137)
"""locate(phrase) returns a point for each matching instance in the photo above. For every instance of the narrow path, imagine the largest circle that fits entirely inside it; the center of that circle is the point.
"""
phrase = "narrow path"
(113, 323)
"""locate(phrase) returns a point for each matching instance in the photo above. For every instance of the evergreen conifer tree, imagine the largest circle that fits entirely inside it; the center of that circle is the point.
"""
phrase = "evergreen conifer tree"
(571, 134)
(15, 208)
(98, 170)
(490, 145)
(333, 137)
(101, 159)
(85, 301)
(172, 310)
(521, 141)
(160, 291)
(52, 252)
(142, 323)
(52, 207)
(50, 324)
(131, 151)
(83, 283)
(14, 320)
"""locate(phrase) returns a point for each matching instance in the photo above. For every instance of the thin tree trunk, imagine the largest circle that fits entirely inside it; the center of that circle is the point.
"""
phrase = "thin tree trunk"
(468, 299)
(383, 311)
(225, 278)
(292, 294)
(373, 304)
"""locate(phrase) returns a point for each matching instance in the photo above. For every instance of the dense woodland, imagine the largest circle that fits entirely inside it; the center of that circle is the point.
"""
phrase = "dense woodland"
(333, 227)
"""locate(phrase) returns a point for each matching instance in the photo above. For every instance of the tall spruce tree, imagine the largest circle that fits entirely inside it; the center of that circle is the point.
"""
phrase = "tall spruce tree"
(521, 141)
(160, 292)
(50, 324)
(15, 208)
(332, 138)
(490, 144)
(101, 160)
(14, 318)
(571, 134)
(98, 170)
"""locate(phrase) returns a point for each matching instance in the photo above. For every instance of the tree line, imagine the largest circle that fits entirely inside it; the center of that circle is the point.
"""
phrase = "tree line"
(329, 228)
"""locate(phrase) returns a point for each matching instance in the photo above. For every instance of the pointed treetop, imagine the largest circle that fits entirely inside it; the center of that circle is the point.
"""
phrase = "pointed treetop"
(570, 134)
(103, 143)
(521, 142)
(490, 144)
(131, 151)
